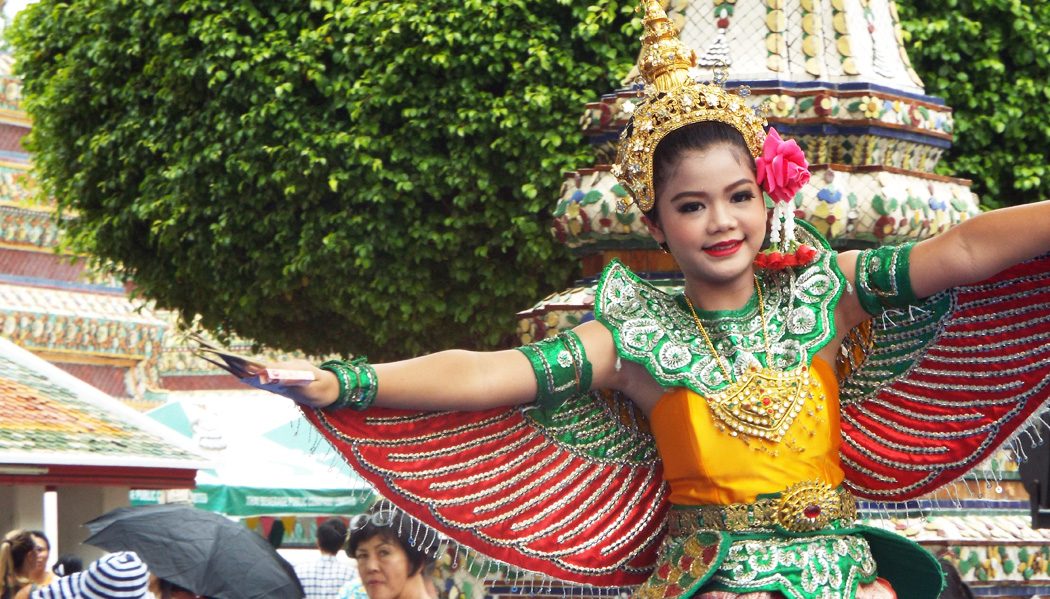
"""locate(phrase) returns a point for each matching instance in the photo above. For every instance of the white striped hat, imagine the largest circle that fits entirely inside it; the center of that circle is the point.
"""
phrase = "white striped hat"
(116, 576)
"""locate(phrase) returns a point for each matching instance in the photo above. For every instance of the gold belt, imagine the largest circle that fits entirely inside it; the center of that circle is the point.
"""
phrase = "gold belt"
(805, 507)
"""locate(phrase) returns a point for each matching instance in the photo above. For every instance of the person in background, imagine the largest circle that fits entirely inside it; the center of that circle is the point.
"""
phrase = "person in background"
(322, 578)
(38, 574)
(115, 576)
(18, 557)
(389, 565)
(68, 563)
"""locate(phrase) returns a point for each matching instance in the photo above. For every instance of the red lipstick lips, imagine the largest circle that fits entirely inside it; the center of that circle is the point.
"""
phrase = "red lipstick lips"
(724, 248)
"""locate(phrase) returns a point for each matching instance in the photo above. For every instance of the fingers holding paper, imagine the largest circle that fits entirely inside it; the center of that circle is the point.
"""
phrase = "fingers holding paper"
(298, 380)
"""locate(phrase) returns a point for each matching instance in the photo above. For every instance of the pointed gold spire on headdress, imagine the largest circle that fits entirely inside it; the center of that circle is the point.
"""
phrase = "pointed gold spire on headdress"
(672, 100)
(665, 61)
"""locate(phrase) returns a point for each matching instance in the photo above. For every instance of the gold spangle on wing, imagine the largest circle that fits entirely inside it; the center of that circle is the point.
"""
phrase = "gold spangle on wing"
(585, 525)
(416, 454)
(580, 508)
(510, 448)
(410, 440)
(487, 490)
(934, 469)
(869, 492)
(911, 449)
(1013, 341)
(866, 471)
(953, 417)
(641, 523)
(990, 427)
(564, 479)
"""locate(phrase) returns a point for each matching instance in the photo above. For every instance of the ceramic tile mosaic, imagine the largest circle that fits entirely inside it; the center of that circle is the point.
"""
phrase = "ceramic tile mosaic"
(112, 306)
(985, 548)
(23, 226)
(856, 128)
(834, 40)
(10, 86)
(40, 414)
(846, 205)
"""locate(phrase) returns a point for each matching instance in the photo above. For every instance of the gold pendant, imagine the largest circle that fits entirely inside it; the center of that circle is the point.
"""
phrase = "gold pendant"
(764, 402)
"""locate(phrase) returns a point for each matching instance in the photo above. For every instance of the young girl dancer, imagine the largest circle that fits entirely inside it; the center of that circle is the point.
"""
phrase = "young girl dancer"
(734, 377)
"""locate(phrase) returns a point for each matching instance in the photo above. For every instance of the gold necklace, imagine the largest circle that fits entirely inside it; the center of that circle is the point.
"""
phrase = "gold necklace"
(711, 346)
(765, 401)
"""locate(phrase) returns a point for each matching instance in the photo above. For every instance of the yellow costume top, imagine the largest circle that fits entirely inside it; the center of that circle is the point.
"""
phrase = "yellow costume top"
(705, 466)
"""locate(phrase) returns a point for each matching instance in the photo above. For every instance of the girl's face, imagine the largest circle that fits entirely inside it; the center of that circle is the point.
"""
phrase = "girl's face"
(712, 217)
(385, 570)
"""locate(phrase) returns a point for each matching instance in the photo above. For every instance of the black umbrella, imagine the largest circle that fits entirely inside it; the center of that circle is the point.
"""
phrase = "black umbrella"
(203, 552)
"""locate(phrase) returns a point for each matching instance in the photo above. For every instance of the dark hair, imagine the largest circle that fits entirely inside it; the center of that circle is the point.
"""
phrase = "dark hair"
(429, 567)
(40, 535)
(390, 525)
(13, 551)
(331, 534)
(68, 563)
(696, 137)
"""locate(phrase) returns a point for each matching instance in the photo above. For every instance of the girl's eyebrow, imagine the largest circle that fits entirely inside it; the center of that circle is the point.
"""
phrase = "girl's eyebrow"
(704, 194)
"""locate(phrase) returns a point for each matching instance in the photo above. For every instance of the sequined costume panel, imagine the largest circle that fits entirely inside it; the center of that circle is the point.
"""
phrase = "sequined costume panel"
(937, 386)
(838, 563)
(823, 566)
(705, 465)
(657, 330)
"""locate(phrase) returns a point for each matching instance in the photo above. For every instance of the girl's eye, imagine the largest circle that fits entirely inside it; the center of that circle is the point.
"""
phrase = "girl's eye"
(743, 196)
(690, 207)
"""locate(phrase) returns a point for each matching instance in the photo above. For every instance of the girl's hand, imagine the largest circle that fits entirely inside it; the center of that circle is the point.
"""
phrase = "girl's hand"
(320, 392)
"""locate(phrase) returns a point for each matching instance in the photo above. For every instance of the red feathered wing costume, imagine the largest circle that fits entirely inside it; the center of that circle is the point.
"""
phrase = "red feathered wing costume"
(577, 494)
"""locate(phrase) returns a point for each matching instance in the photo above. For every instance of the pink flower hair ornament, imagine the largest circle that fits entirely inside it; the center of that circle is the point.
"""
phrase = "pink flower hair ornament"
(782, 172)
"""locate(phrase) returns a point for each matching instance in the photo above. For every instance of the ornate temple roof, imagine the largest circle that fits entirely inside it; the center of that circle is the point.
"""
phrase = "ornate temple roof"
(69, 432)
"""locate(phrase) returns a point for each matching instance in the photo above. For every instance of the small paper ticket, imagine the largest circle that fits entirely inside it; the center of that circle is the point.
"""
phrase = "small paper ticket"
(288, 378)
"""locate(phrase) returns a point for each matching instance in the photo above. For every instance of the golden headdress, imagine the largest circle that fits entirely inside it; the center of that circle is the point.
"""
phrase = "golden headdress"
(672, 100)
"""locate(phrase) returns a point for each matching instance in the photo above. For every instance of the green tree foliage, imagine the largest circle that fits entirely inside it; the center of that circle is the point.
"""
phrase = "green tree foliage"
(368, 176)
(990, 61)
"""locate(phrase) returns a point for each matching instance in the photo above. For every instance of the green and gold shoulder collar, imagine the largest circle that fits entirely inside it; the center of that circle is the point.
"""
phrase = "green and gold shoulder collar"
(656, 329)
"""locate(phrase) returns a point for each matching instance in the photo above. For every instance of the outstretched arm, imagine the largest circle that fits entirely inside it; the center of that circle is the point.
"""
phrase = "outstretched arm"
(461, 380)
(448, 380)
(980, 247)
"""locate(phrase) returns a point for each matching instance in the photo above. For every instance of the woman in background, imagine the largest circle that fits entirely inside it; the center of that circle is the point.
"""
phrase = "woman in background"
(17, 558)
(37, 575)
(389, 564)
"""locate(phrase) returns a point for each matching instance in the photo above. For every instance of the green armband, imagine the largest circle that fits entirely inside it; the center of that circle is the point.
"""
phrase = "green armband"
(883, 281)
(358, 384)
(561, 367)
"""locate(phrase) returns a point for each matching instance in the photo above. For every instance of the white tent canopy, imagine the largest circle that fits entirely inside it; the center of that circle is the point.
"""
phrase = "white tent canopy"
(269, 459)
